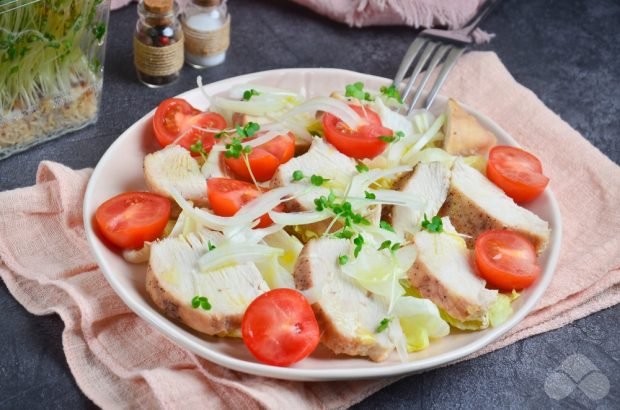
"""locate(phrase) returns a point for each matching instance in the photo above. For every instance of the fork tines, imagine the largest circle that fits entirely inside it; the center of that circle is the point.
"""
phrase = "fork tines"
(427, 51)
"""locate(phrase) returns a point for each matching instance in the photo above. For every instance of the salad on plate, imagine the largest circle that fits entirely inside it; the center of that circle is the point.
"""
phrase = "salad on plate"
(338, 220)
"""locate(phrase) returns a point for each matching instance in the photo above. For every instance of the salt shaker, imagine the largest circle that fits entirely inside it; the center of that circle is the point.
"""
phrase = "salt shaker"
(158, 43)
(206, 24)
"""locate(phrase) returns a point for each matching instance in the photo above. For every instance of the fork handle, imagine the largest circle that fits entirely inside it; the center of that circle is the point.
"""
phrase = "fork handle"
(480, 15)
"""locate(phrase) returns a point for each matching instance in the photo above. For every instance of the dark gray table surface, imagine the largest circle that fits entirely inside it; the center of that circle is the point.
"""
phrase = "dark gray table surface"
(567, 52)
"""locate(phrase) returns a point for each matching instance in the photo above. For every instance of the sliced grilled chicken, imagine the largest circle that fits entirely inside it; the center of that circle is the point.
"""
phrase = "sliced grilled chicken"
(174, 167)
(347, 314)
(443, 274)
(464, 134)
(172, 281)
(429, 182)
(475, 205)
(321, 159)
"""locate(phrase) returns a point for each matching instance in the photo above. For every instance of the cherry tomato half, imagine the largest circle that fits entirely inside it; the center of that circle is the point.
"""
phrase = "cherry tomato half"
(265, 159)
(228, 196)
(364, 142)
(132, 218)
(174, 119)
(506, 260)
(279, 327)
(517, 172)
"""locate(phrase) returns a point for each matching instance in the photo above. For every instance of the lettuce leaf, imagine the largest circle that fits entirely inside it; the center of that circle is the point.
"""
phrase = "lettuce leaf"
(420, 321)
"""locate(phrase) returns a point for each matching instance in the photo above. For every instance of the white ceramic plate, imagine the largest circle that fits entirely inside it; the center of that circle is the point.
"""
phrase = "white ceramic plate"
(120, 169)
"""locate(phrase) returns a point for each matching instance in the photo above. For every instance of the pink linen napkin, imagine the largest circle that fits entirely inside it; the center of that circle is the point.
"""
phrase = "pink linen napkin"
(361, 13)
(119, 360)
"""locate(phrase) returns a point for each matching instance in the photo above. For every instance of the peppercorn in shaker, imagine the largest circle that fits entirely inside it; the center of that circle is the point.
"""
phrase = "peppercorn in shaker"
(206, 24)
(158, 43)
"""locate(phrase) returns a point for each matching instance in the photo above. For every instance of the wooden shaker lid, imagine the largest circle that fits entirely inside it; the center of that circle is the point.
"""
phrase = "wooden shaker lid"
(159, 6)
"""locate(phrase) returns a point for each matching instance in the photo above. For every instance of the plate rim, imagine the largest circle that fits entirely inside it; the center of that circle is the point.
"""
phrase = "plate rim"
(191, 342)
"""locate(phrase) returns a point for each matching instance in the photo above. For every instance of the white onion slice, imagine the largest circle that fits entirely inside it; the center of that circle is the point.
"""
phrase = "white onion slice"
(428, 135)
(298, 218)
(252, 107)
(225, 255)
(335, 107)
(237, 91)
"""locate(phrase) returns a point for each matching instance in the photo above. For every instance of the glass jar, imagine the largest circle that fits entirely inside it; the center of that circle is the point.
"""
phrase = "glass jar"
(158, 43)
(206, 24)
(51, 69)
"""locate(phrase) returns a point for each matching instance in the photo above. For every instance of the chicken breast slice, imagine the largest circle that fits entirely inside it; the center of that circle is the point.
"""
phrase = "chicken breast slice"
(475, 205)
(429, 182)
(173, 280)
(321, 159)
(443, 274)
(174, 167)
(348, 316)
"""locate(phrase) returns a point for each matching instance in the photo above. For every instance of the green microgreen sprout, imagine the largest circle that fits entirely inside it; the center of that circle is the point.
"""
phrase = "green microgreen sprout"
(201, 301)
(210, 246)
(391, 92)
(45, 49)
(369, 195)
(359, 242)
(248, 129)
(298, 175)
(383, 325)
(248, 94)
(343, 259)
(392, 138)
(198, 148)
(361, 168)
(386, 225)
(392, 247)
(317, 180)
(356, 90)
(435, 225)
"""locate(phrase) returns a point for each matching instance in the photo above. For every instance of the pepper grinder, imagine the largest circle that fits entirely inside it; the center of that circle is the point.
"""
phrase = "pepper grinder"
(158, 43)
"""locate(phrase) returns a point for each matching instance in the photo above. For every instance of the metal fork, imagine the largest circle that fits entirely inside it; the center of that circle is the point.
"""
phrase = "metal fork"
(436, 44)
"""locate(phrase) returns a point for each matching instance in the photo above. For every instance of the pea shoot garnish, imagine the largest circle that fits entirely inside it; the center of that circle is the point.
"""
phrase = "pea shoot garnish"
(383, 325)
(435, 225)
(343, 259)
(201, 301)
(386, 225)
(391, 92)
(220, 135)
(361, 168)
(356, 90)
(248, 94)
(210, 246)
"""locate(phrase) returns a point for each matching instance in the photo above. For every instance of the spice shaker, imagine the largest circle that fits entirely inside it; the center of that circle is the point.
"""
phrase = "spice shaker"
(158, 43)
(206, 24)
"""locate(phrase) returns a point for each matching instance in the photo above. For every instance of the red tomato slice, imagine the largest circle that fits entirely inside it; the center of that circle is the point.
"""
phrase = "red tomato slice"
(361, 143)
(130, 219)
(228, 196)
(506, 259)
(175, 118)
(279, 327)
(518, 173)
(265, 159)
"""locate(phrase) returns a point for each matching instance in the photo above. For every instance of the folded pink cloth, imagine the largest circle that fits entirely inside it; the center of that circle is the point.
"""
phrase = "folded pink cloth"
(360, 13)
(119, 360)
